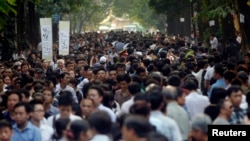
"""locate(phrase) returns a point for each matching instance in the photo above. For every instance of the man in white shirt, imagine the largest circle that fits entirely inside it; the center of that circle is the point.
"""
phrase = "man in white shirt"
(213, 41)
(65, 103)
(96, 94)
(37, 119)
(171, 129)
(133, 88)
(63, 86)
(195, 102)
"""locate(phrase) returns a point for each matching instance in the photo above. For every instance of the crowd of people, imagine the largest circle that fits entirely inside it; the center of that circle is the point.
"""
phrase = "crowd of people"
(120, 86)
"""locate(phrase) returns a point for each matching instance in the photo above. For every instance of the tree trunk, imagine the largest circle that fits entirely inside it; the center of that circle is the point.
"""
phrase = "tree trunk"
(20, 24)
(236, 21)
(80, 26)
(31, 25)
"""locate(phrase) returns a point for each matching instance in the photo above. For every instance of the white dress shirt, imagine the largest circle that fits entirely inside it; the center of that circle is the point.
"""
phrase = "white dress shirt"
(196, 103)
(126, 106)
(100, 137)
(171, 129)
(109, 111)
(71, 117)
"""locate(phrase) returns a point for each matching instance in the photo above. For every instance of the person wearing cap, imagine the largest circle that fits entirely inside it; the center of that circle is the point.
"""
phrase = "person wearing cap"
(38, 75)
(102, 63)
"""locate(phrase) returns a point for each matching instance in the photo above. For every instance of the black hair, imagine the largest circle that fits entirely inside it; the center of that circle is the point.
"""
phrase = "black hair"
(4, 123)
(141, 109)
(76, 128)
(134, 88)
(98, 89)
(32, 104)
(9, 93)
(60, 125)
(232, 89)
(217, 94)
(156, 98)
(25, 92)
(100, 121)
(123, 77)
(48, 89)
(140, 125)
(25, 105)
(142, 96)
(65, 98)
(174, 80)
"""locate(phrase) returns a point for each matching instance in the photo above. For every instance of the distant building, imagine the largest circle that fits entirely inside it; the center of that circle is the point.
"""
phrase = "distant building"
(112, 22)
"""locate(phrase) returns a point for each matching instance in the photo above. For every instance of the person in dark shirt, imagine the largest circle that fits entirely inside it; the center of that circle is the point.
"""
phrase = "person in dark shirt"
(213, 110)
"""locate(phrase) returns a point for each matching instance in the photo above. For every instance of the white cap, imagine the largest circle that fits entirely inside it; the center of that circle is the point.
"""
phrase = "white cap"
(103, 59)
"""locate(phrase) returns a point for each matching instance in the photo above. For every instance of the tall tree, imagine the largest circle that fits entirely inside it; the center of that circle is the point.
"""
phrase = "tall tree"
(6, 7)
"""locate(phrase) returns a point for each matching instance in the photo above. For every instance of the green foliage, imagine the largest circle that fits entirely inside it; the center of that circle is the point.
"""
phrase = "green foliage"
(6, 7)
(137, 10)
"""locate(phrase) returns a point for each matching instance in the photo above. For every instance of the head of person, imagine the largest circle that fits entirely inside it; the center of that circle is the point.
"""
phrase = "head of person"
(174, 80)
(226, 107)
(96, 94)
(38, 96)
(123, 81)
(112, 72)
(100, 122)
(61, 125)
(199, 126)
(22, 113)
(37, 108)
(78, 131)
(217, 94)
(135, 127)
(64, 78)
(60, 63)
(48, 96)
(190, 84)
(141, 108)
(171, 93)
(25, 95)
(157, 76)
(65, 102)
(218, 71)
(13, 97)
(5, 130)
(234, 94)
(134, 88)
(100, 74)
(87, 107)
(156, 99)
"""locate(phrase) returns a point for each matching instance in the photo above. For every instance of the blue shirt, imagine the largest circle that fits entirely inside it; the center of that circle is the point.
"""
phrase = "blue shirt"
(29, 133)
(220, 83)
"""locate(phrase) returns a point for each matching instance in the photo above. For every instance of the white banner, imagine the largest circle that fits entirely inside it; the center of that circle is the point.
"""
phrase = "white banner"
(211, 23)
(242, 18)
(46, 36)
(64, 37)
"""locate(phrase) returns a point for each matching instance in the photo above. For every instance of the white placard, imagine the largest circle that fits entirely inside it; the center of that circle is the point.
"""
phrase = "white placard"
(242, 18)
(211, 23)
(182, 19)
(46, 37)
(64, 37)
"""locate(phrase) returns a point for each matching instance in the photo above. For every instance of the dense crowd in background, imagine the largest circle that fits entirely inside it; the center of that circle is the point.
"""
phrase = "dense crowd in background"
(120, 86)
